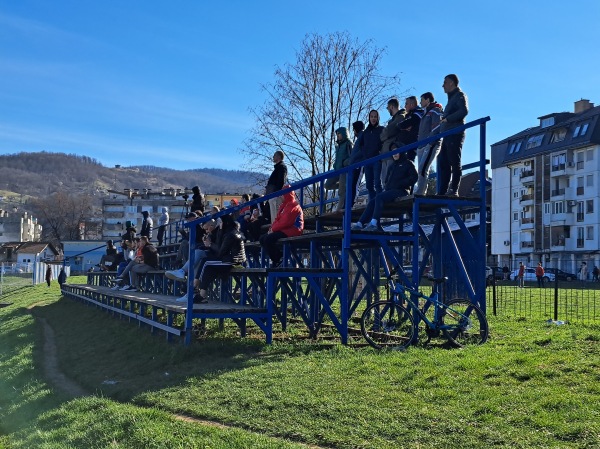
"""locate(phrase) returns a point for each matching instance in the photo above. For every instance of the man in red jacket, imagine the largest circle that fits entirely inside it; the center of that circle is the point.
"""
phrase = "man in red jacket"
(289, 222)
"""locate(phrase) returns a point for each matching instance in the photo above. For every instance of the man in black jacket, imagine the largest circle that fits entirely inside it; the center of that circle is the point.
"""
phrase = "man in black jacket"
(276, 182)
(401, 177)
(409, 128)
(449, 159)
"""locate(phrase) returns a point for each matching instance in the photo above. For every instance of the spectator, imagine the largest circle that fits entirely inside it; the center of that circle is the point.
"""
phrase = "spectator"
(390, 133)
(146, 262)
(197, 200)
(276, 181)
(245, 199)
(595, 273)
(62, 277)
(48, 274)
(147, 225)
(110, 260)
(343, 149)
(357, 154)
(369, 143)
(429, 126)
(200, 248)
(137, 257)
(130, 232)
(289, 222)
(505, 273)
(521, 275)
(539, 274)
(409, 127)
(449, 160)
(583, 271)
(184, 248)
(216, 210)
(128, 248)
(401, 177)
(163, 221)
(231, 252)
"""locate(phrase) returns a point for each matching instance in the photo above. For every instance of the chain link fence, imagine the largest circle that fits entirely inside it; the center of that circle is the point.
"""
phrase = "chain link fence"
(14, 276)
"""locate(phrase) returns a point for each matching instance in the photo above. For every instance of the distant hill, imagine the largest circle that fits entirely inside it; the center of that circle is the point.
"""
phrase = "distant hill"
(36, 175)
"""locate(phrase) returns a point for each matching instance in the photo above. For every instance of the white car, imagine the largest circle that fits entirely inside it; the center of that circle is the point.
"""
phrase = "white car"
(530, 275)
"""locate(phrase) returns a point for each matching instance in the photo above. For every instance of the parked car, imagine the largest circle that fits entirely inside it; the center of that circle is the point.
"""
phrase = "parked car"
(494, 272)
(530, 275)
(561, 275)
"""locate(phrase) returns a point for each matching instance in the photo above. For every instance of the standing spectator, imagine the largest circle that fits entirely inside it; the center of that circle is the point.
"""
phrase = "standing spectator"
(402, 175)
(583, 271)
(147, 225)
(62, 277)
(276, 182)
(289, 222)
(163, 221)
(197, 200)
(521, 275)
(539, 274)
(343, 149)
(390, 133)
(409, 127)
(449, 160)
(48, 275)
(595, 273)
(356, 155)
(429, 126)
(369, 143)
(505, 273)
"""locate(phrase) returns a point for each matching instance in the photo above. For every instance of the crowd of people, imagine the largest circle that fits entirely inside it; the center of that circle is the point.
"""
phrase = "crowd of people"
(219, 242)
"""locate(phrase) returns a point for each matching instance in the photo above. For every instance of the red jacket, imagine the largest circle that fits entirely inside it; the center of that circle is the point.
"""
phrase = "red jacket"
(290, 218)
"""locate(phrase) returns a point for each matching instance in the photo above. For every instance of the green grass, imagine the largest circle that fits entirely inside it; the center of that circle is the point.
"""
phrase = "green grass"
(531, 385)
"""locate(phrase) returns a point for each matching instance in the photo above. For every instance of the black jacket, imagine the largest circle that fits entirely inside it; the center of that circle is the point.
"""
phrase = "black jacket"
(402, 175)
(278, 178)
(409, 128)
(370, 141)
(150, 255)
(232, 248)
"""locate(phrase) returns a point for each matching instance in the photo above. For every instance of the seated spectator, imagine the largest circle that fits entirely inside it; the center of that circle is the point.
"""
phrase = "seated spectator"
(109, 261)
(137, 256)
(145, 261)
(289, 222)
(401, 177)
(128, 248)
(184, 248)
(231, 252)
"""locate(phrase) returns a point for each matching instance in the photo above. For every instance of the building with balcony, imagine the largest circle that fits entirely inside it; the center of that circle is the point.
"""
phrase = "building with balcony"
(545, 192)
(19, 227)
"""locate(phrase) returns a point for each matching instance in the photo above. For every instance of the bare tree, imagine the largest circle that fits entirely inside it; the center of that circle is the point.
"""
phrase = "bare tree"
(62, 215)
(334, 81)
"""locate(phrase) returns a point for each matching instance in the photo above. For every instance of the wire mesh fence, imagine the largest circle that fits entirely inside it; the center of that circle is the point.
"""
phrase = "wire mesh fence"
(14, 276)
(569, 301)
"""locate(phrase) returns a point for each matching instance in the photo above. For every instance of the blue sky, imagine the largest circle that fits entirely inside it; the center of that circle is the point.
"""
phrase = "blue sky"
(170, 83)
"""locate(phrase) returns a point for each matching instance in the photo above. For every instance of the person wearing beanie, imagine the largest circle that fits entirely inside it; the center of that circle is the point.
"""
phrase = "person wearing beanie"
(147, 225)
(369, 142)
(163, 221)
(343, 149)
(429, 126)
(401, 177)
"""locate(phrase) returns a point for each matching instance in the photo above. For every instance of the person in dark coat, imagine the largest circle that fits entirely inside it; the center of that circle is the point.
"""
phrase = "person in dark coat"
(147, 225)
(48, 275)
(369, 142)
(197, 200)
(231, 252)
(62, 277)
(276, 182)
(401, 177)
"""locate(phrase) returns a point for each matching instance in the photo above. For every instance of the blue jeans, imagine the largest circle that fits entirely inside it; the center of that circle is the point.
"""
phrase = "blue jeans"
(373, 179)
(375, 206)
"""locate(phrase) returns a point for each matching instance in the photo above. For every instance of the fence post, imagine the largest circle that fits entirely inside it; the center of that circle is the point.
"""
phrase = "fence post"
(494, 304)
(556, 297)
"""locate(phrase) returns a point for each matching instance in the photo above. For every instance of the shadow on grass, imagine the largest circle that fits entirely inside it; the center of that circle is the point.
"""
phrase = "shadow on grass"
(109, 355)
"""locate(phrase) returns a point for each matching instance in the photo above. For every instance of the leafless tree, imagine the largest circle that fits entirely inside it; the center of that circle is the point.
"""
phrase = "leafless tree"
(334, 81)
(62, 215)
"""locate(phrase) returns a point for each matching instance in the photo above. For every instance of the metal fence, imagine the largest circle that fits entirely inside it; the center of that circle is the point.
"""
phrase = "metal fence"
(569, 301)
(14, 276)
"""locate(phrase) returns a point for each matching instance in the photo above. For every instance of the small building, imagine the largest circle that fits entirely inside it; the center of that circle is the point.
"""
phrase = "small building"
(81, 255)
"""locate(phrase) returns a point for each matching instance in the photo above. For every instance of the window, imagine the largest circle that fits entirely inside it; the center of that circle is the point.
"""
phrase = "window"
(515, 171)
(589, 155)
(580, 130)
(589, 207)
(515, 216)
(589, 181)
(535, 141)
(589, 233)
(548, 121)
(576, 132)
(558, 135)
(516, 194)
(559, 161)
(584, 129)
(558, 207)
(580, 237)
(547, 208)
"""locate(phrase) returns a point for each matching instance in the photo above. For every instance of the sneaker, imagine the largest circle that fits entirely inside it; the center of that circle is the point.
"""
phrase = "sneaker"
(356, 226)
(127, 288)
(200, 299)
(372, 228)
(116, 287)
(176, 275)
(184, 298)
(451, 192)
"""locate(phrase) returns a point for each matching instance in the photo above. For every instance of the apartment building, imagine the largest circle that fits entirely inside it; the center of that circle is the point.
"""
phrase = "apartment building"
(19, 227)
(545, 192)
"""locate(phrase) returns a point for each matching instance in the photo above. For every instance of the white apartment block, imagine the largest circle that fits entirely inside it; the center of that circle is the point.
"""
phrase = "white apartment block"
(545, 194)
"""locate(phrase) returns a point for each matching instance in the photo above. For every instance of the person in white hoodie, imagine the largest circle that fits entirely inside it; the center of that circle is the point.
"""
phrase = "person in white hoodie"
(163, 221)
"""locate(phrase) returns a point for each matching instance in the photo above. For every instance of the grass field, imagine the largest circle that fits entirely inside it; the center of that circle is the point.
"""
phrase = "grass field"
(531, 386)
